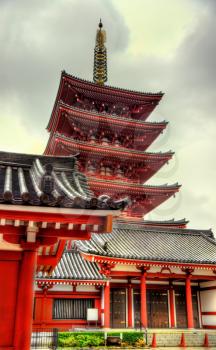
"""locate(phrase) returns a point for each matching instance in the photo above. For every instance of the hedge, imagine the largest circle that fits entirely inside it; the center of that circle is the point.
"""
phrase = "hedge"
(70, 339)
(88, 339)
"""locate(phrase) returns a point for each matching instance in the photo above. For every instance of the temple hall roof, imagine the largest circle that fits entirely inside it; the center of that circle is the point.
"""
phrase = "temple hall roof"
(48, 181)
(73, 266)
(153, 244)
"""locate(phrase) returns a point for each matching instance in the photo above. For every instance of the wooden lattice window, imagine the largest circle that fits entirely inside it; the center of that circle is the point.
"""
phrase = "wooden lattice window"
(71, 308)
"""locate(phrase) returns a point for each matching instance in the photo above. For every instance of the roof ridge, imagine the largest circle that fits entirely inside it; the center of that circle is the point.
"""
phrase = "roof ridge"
(82, 80)
(168, 230)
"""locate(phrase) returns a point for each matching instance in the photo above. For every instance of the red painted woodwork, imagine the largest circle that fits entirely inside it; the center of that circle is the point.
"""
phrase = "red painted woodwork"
(60, 216)
(172, 307)
(189, 304)
(8, 296)
(130, 306)
(24, 312)
(107, 305)
(147, 264)
(98, 306)
(143, 303)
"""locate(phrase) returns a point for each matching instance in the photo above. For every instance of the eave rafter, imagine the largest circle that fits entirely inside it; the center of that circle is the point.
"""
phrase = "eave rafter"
(98, 150)
(139, 263)
(84, 116)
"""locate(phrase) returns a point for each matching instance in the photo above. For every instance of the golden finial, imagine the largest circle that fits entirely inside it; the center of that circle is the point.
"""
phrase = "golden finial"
(100, 56)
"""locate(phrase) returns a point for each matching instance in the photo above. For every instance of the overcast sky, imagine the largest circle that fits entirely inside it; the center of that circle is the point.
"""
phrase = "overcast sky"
(153, 45)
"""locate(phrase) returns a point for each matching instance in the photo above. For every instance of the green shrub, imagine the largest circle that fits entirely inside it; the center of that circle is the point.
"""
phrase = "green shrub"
(113, 334)
(79, 339)
(132, 337)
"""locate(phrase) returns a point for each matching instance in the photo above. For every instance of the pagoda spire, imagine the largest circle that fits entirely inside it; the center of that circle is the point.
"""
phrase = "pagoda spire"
(100, 56)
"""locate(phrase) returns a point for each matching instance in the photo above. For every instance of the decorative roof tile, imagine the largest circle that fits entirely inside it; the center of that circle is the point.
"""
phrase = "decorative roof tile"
(48, 181)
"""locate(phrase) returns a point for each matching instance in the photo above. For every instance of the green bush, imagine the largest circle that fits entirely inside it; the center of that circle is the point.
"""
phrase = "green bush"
(113, 334)
(78, 339)
(131, 337)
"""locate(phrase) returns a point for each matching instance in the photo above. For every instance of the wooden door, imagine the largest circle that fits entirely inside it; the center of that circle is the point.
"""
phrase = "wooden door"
(118, 307)
(136, 307)
(181, 309)
(157, 308)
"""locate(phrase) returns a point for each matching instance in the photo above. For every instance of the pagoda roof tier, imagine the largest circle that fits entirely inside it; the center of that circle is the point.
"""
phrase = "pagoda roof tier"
(137, 165)
(73, 90)
(135, 134)
(99, 149)
(136, 245)
(135, 188)
(144, 198)
(46, 181)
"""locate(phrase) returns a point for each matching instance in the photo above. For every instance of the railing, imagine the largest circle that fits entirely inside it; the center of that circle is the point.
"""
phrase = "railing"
(44, 338)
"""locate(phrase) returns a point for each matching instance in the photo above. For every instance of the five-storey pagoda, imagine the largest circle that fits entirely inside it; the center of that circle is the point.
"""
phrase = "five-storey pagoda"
(107, 127)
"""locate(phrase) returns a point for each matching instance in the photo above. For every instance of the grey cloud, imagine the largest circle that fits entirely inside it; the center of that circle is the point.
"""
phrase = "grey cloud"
(40, 38)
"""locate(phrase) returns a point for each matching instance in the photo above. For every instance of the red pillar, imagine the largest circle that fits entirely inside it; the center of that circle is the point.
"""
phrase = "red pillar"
(172, 307)
(107, 305)
(189, 304)
(130, 310)
(143, 311)
(25, 299)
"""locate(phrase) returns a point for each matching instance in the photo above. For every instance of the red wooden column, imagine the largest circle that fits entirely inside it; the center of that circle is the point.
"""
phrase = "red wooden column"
(189, 304)
(143, 310)
(130, 305)
(172, 306)
(107, 305)
(24, 311)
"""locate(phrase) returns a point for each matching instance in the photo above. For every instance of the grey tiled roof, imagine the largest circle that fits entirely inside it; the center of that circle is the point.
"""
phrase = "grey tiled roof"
(161, 244)
(49, 181)
(152, 223)
(73, 266)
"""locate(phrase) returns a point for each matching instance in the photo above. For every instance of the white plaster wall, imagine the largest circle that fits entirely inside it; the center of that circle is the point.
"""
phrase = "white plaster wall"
(209, 320)
(89, 288)
(203, 272)
(62, 288)
(121, 267)
(208, 300)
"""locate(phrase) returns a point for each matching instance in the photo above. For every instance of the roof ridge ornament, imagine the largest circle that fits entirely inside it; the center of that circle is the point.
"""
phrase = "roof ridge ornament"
(100, 56)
